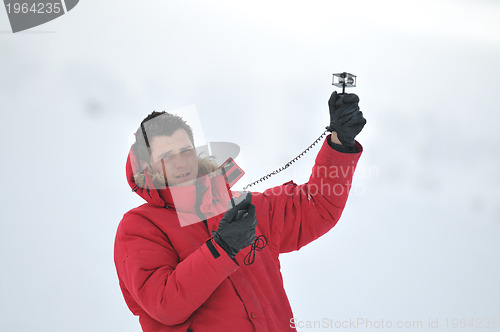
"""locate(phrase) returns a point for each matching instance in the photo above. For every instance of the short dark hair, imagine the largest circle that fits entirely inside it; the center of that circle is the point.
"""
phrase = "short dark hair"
(164, 124)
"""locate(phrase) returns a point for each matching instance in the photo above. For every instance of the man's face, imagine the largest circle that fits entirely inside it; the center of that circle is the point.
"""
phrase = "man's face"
(176, 153)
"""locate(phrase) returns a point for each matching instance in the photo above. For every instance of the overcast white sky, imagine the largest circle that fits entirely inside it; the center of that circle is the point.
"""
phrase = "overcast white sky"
(418, 239)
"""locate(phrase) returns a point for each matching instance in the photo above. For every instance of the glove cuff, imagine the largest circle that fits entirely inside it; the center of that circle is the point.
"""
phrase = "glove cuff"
(341, 148)
(227, 248)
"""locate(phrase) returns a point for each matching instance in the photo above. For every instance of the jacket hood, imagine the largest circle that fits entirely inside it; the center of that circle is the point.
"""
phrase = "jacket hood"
(146, 191)
(208, 197)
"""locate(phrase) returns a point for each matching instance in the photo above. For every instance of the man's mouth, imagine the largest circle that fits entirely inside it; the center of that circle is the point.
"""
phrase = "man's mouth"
(183, 176)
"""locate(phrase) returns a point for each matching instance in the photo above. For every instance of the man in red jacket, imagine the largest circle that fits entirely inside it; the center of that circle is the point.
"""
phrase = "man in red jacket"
(186, 262)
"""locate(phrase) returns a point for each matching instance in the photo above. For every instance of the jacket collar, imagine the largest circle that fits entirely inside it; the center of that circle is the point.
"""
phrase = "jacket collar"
(207, 198)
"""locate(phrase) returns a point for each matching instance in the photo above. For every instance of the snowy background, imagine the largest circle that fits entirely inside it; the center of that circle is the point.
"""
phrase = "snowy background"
(419, 238)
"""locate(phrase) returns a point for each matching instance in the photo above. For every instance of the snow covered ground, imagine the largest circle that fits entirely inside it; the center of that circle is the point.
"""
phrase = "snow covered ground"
(418, 242)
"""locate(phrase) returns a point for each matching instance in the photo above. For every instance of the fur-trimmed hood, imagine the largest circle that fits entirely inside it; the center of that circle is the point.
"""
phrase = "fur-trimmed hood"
(152, 189)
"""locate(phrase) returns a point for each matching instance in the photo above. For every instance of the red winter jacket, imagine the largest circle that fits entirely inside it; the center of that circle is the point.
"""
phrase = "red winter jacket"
(178, 279)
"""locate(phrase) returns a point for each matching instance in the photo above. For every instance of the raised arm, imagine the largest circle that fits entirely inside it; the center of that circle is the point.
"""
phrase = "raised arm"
(299, 214)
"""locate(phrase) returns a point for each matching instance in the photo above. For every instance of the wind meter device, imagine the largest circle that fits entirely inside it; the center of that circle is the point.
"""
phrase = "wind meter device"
(344, 80)
(231, 172)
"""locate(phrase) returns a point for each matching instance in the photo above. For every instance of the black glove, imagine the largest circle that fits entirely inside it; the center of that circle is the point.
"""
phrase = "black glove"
(237, 228)
(345, 117)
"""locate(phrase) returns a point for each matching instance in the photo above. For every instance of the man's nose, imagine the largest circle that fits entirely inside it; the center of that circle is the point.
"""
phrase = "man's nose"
(178, 160)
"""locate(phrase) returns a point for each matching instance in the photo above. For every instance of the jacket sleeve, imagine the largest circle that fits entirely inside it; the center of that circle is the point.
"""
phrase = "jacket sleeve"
(167, 290)
(299, 214)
